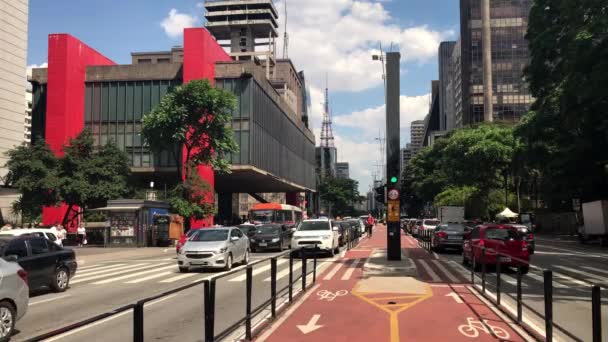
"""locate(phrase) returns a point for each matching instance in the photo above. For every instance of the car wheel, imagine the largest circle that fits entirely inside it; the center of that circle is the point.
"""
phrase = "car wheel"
(61, 279)
(228, 266)
(184, 269)
(246, 258)
(7, 320)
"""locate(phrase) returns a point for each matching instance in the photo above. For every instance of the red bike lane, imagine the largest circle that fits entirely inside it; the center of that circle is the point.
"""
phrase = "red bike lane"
(346, 306)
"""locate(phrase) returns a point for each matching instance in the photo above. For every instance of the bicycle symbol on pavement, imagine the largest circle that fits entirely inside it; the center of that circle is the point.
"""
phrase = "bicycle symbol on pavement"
(472, 328)
(330, 296)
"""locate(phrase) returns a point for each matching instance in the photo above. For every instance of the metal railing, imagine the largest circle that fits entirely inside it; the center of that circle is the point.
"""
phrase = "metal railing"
(482, 253)
(209, 295)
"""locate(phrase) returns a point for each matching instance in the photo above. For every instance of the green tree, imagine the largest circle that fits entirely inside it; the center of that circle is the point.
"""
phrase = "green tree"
(193, 122)
(32, 170)
(89, 177)
(340, 194)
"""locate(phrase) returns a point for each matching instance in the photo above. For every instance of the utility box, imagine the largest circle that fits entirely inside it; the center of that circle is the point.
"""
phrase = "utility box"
(451, 214)
(595, 215)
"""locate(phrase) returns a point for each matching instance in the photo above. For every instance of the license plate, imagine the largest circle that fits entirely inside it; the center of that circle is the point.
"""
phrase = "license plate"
(454, 238)
(505, 259)
(198, 263)
(262, 244)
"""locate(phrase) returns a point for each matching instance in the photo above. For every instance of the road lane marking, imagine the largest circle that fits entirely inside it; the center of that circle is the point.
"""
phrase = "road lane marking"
(47, 300)
(542, 280)
(128, 312)
(311, 325)
(113, 269)
(595, 269)
(429, 271)
(333, 271)
(351, 269)
(258, 270)
(444, 269)
(583, 273)
(111, 280)
(456, 297)
(178, 277)
(110, 274)
(150, 277)
(285, 272)
(96, 268)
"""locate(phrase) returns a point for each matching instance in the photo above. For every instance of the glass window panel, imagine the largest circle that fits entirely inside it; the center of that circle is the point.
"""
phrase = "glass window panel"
(88, 109)
(130, 92)
(244, 147)
(163, 88)
(155, 92)
(137, 159)
(112, 102)
(104, 140)
(137, 99)
(120, 101)
(96, 102)
(146, 100)
(104, 101)
(145, 159)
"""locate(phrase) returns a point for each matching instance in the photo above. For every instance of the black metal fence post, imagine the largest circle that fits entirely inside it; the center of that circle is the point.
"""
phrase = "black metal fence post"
(304, 262)
(483, 269)
(519, 303)
(273, 287)
(290, 277)
(548, 288)
(209, 293)
(472, 265)
(596, 313)
(138, 322)
(314, 265)
(248, 303)
(497, 279)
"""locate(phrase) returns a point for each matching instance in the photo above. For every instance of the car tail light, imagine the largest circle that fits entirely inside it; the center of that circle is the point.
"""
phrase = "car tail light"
(442, 235)
(530, 236)
(524, 246)
(23, 275)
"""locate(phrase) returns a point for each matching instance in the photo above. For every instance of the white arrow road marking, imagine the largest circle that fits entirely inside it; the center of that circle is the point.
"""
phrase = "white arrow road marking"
(455, 296)
(311, 325)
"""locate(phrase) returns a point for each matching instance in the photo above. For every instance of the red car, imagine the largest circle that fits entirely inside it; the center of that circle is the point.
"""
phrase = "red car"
(504, 239)
(183, 239)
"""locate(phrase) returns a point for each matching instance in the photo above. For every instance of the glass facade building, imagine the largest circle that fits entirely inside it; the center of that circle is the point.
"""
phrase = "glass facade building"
(510, 55)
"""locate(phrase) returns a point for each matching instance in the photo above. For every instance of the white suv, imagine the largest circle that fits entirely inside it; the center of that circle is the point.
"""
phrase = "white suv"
(323, 233)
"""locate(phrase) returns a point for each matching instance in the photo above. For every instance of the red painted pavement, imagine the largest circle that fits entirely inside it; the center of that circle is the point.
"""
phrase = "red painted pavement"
(367, 317)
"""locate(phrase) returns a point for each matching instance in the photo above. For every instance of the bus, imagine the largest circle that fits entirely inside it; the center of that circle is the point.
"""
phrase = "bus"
(285, 214)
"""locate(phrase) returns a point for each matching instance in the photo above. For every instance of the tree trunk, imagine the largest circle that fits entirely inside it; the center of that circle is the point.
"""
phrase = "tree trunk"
(517, 189)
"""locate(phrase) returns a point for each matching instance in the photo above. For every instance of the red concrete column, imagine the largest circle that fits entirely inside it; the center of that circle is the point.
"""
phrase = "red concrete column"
(201, 51)
(68, 58)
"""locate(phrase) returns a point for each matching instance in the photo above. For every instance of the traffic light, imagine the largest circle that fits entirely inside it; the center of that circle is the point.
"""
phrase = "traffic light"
(380, 194)
(394, 180)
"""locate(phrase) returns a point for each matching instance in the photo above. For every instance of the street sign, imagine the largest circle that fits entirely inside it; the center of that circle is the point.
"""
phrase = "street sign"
(393, 210)
(393, 194)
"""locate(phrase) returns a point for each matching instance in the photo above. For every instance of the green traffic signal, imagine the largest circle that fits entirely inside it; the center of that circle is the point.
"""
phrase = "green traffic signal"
(393, 179)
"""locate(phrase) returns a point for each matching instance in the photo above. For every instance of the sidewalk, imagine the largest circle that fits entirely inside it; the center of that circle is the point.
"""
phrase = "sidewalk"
(350, 304)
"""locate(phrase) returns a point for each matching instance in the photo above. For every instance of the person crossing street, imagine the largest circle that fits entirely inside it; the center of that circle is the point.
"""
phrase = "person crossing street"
(370, 225)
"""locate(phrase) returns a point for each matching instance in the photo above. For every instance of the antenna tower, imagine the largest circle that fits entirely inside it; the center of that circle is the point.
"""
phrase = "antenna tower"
(327, 135)
(285, 35)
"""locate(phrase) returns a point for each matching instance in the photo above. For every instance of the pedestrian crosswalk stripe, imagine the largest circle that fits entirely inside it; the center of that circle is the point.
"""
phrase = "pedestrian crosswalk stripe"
(594, 269)
(542, 280)
(444, 269)
(333, 271)
(285, 271)
(429, 271)
(107, 272)
(178, 277)
(111, 280)
(351, 269)
(90, 267)
(154, 276)
(98, 268)
(257, 270)
(583, 273)
(105, 275)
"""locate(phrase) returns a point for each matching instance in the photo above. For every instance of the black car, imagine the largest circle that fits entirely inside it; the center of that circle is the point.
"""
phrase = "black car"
(448, 235)
(270, 236)
(247, 229)
(355, 228)
(46, 263)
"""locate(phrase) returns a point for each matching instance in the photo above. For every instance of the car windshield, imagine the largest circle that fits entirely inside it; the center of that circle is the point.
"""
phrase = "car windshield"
(502, 234)
(262, 215)
(457, 228)
(418, 222)
(313, 225)
(211, 235)
(431, 222)
(267, 230)
(4, 241)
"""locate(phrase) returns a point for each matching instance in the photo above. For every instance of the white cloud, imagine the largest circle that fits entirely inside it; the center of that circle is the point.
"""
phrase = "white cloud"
(371, 121)
(175, 23)
(361, 156)
(28, 71)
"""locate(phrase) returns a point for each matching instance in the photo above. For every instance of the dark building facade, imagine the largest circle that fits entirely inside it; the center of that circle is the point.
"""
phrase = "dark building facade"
(510, 55)
(446, 75)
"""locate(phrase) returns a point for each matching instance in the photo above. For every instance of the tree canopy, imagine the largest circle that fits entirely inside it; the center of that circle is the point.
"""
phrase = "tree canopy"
(340, 194)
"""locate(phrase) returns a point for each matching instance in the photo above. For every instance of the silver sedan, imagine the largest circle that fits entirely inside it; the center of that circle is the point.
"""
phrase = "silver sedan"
(214, 248)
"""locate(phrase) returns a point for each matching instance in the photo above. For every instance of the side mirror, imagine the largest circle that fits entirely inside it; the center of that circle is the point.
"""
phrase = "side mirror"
(234, 238)
(335, 229)
(293, 230)
(11, 258)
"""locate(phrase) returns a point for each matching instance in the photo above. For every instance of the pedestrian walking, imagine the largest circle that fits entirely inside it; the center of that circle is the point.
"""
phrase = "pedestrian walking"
(370, 225)
(6, 227)
(61, 234)
(82, 235)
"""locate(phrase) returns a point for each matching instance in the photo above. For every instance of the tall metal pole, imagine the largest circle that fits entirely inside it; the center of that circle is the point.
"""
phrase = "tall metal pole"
(392, 153)
(486, 34)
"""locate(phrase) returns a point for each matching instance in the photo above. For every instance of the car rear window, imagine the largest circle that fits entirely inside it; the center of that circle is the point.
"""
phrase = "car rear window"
(314, 225)
(431, 222)
(452, 227)
(418, 222)
(502, 234)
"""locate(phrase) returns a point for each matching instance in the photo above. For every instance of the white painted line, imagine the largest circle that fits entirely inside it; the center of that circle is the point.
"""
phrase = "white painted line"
(47, 300)
(178, 277)
(429, 271)
(311, 325)
(110, 274)
(150, 277)
(445, 285)
(257, 271)
(542, 280)
(95, 269)
(343, 253)
(594, 269)
(128, 312)
(111, 280)
(583, 273)
(111, 270)
(455, 297)
(351, 269)
(285, 272)
(286, 315)
(511, 280)
(80, 262)
(333, 271)
(444, 269)
(436, 256)
(572, 280)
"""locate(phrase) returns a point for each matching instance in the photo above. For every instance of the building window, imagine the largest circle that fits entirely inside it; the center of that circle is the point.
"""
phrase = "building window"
(144, 61)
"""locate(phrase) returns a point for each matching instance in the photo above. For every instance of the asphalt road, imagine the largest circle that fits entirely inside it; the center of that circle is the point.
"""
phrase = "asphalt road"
(575, 269)
(102, 284)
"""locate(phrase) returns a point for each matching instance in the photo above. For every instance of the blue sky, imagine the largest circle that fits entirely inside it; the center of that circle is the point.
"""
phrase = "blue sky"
(336, 37)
